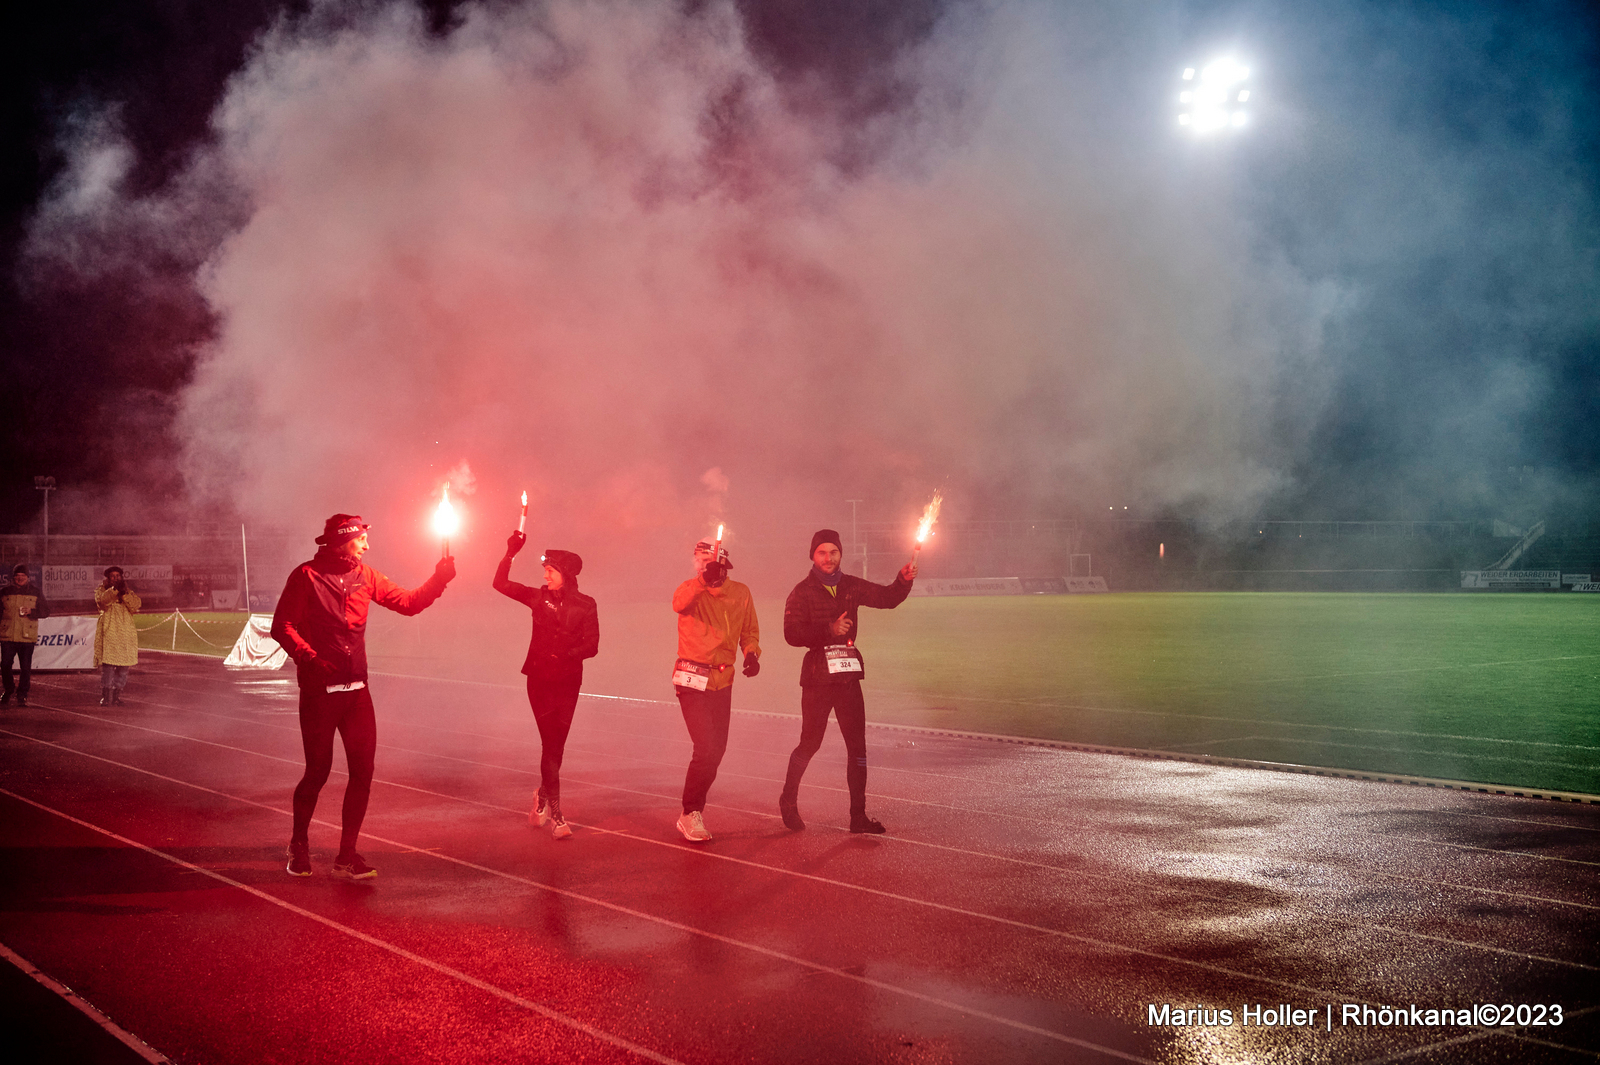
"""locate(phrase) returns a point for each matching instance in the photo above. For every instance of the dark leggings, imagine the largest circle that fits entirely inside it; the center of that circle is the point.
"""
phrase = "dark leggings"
(553, 703)
(845, 701)
(23, 653)
(707, 714)
(322, 713)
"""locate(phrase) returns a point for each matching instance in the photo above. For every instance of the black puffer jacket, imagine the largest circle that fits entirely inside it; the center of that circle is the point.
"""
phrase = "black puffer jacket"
(566, 627)
(811, 608)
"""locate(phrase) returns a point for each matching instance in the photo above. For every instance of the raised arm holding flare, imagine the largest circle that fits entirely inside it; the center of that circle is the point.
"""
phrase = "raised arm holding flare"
(321, 621)
(566, 630)
(821, 615)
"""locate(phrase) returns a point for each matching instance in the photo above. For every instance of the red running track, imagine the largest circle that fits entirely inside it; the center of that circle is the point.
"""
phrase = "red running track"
(1029, 904)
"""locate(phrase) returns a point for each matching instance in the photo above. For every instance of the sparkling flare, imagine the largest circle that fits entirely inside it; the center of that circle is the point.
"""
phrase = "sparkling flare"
(445, 520)
(522, 522)
(930, 514)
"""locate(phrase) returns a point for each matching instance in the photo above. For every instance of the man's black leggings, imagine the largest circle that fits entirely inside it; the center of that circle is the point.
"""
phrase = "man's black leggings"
(23, 653)
(553, 703)
(322, 713)
(846, 703)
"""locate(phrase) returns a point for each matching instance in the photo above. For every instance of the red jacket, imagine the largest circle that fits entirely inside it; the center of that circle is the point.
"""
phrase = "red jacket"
(322, 615)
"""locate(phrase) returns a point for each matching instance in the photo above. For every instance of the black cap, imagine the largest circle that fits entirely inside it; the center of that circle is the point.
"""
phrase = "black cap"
(826, 536)
(110, 570)
(567, 562)
(20, 567)
(341, 529)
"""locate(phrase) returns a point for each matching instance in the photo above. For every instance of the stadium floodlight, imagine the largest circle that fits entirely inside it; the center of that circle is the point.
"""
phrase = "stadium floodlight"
(1214, 102)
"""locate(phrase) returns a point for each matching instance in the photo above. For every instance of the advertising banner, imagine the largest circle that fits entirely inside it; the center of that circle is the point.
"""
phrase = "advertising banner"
(1587, 586)
(1511, 580)
(65, 642)
(79, 582)
(968, 586)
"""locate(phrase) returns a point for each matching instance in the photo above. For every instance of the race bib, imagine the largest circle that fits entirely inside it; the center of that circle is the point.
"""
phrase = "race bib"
(687, 674)
(842, 658)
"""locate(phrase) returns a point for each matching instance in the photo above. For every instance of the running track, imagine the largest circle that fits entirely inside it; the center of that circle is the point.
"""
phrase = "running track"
(1029, 904)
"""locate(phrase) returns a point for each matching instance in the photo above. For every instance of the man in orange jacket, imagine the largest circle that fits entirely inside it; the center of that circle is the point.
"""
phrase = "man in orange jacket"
(716, 618)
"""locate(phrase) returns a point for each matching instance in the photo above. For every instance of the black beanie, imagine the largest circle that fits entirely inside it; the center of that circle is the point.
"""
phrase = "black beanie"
(567, 562)
(825, 536)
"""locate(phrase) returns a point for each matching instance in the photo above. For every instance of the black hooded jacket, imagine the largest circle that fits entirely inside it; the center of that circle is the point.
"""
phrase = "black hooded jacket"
(811, 608)
(566, 626)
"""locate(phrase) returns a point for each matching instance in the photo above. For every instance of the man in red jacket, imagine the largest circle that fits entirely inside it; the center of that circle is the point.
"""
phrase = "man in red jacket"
(321, 621)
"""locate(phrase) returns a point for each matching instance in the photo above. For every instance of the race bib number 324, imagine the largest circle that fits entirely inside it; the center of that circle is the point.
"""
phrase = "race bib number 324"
(842, 658)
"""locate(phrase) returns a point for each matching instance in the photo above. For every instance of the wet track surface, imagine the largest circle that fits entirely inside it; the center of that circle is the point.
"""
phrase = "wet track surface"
(1029, 904)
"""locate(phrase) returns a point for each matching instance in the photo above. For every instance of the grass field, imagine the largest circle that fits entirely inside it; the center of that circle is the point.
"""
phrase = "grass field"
(1493, 688)
(201, 633)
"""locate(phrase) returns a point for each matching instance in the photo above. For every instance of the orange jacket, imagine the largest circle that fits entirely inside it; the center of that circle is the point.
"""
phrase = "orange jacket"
(713, 623)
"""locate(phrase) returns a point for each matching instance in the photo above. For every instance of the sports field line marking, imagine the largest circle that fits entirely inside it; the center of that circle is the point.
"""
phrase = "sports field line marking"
(763, 814)
(77, 1002)
(437, 853)
(371, 940)
(1093, 941)
(766, 815)
(1481, 850)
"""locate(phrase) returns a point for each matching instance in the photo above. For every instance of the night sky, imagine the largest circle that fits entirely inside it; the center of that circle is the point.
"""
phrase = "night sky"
(985, 257)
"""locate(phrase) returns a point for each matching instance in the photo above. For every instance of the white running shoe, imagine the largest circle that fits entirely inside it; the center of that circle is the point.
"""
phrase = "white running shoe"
(540, 812)
(693, 827)
(558, 824)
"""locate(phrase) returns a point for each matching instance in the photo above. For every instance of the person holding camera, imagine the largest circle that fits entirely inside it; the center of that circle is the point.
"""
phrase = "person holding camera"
(116, 640)
(22, 604)
(321, 622)
(566, 630)
(716, 618)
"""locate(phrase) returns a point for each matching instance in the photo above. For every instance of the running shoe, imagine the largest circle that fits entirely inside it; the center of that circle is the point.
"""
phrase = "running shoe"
(693, 827)
(299, 859)
(558, 824)
(22, 700)
(5, 698)
(353, 867)
(863, 823)
(791, 815)
(540, 813)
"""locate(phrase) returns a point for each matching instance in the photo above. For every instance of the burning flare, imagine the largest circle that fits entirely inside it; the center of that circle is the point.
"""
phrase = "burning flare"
(445, 521)
(930, 514)
(522, 522)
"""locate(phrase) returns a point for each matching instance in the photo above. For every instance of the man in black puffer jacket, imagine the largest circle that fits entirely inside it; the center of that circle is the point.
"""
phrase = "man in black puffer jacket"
(566, 630)
(820, 614)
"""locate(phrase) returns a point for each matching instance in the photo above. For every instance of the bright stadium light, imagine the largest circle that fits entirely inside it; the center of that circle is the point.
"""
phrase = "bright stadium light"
(1215, 101)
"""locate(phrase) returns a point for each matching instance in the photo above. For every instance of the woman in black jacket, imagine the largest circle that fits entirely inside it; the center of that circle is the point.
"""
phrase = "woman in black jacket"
(566, 630)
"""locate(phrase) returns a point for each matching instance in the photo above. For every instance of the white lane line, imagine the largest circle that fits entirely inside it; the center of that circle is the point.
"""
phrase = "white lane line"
(72, 998)
(399, 951)
(1480, 850)
(1044, 866)
(962, 911)
(763, 814)
(436, 853)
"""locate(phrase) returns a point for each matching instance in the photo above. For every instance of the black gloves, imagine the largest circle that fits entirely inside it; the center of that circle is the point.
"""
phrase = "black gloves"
(321, 667)
(514, 543)
(715, 573)
(446, 569)
(752, 665)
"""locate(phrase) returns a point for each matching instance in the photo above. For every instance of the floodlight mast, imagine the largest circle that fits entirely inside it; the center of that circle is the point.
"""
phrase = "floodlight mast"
(1216, 100)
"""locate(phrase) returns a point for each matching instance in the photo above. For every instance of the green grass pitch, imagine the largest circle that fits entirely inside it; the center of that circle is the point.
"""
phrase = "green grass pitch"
(1493, 688)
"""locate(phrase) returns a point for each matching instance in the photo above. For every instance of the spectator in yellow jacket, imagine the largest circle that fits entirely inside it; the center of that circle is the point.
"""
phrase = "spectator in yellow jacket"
(116, 640)
(716, 617)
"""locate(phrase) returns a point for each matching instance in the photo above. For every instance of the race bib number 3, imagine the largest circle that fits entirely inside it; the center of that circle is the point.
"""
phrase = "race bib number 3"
(687, 674)
(842, 658)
